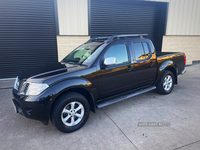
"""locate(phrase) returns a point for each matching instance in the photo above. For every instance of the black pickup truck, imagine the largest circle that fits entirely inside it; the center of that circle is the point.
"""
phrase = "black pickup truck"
(100, 72)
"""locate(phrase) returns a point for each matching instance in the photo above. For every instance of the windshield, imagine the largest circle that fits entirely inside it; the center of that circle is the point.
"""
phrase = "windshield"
(84, 54)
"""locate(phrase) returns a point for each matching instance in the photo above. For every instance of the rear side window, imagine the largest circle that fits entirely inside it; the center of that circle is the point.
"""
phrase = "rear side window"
(119, 51)
(141, 51)
(146, 50)
(138, 50)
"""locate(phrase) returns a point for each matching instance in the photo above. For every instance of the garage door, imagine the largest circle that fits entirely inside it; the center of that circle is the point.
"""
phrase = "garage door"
(27, 35)
(110, 17)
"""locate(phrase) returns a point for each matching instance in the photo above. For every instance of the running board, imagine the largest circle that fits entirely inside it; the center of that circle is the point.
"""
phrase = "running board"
(109, 102)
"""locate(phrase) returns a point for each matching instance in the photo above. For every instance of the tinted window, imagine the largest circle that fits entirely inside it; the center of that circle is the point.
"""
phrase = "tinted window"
(146, 50)
(118, 51)
(138, 50)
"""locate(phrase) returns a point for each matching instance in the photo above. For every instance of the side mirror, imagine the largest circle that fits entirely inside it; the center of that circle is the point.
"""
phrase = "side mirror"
(110, 61)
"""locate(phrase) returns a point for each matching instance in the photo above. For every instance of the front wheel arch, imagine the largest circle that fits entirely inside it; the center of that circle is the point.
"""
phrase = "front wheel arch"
(61, 115)
(88, 95)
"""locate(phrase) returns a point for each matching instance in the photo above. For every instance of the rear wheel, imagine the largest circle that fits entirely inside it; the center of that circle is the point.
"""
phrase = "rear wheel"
(166, 84)
(70, 112)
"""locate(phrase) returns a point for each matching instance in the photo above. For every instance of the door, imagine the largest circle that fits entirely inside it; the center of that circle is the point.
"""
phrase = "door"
(145, 65)
(115, 79)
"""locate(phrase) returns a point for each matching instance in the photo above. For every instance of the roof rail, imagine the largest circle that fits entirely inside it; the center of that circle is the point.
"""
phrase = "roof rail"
(126, 35)
(110, 38)
(98, 39)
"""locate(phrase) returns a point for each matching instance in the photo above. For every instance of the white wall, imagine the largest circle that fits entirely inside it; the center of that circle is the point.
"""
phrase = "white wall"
(183, 17)
(73, 17)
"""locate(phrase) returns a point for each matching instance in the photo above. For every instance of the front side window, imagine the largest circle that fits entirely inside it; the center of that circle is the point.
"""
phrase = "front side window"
(119, 52)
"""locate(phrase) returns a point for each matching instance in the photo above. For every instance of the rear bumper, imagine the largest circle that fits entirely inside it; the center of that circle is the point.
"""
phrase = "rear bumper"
(183, 71)
(34, 107)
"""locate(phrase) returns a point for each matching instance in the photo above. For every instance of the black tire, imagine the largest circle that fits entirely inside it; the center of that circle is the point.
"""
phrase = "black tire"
(160, 87)
(65, 101)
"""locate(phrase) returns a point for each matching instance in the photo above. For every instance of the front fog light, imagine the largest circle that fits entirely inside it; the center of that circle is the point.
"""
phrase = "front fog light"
(36, 88)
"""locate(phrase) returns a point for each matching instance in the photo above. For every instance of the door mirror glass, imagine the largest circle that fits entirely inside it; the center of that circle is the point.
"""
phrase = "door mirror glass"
(110, 61)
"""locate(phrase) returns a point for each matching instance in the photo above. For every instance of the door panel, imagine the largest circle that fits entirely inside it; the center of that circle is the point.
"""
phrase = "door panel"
(114, 79)
(145, 66)
(144, 73)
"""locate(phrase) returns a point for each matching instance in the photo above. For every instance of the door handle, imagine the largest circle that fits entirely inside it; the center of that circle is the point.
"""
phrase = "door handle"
(151, 64)
(130, 68)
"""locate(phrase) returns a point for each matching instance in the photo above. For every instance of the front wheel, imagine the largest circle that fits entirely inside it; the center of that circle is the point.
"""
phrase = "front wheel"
(70, 112)
(166, 84)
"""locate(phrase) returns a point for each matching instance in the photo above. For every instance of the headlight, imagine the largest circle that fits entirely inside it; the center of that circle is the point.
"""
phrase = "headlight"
(36, 88)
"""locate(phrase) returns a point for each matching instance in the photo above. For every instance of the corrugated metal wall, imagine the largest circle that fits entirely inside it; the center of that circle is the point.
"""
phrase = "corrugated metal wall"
(183, 17)
(73, 17)
(125, 17)
(27, 35)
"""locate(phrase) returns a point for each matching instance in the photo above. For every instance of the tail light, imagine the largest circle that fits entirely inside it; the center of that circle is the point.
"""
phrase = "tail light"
(185, 59)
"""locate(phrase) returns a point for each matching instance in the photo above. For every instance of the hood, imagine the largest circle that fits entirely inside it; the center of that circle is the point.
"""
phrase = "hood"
(48, 70)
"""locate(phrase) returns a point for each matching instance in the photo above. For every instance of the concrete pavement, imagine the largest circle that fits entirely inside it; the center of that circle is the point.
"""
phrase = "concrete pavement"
(115, 126)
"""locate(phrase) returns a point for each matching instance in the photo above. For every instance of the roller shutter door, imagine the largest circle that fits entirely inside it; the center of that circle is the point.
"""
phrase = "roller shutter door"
(110, 17)
(27, 35)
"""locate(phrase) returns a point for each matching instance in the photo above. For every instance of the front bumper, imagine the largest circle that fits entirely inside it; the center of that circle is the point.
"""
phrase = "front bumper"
(34, 107)
(17, 107)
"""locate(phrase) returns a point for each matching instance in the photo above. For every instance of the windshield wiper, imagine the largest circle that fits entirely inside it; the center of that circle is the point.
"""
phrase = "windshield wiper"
(70, 62)
(73, 62)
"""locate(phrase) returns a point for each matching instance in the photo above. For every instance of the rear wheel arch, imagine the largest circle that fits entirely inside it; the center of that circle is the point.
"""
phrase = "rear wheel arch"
(166, 82)
(174, 71)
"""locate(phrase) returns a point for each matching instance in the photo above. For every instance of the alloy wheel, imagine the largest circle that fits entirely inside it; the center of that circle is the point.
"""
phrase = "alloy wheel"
(72, 113)
(167, 83)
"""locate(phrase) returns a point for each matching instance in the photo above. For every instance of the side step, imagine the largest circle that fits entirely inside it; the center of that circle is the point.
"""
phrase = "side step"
(106, 103)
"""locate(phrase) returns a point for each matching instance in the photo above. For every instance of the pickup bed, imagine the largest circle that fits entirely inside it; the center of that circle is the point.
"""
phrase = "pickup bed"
(102, 71)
